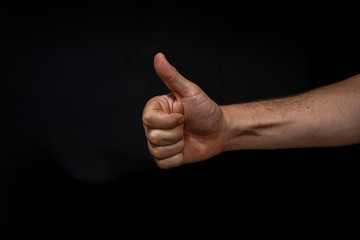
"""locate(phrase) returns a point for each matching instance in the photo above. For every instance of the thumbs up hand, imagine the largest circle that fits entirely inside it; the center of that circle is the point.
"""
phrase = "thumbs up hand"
(184, 126)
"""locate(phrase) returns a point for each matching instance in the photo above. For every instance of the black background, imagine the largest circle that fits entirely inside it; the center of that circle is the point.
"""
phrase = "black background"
(73, 86)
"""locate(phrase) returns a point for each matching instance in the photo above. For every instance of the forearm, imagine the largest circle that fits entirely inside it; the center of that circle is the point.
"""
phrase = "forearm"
(327, 116)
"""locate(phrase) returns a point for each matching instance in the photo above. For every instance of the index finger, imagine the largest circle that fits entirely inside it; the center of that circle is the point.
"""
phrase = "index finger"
(154, 117)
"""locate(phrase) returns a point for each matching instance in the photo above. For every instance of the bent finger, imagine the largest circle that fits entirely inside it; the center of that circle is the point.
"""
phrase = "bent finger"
(164, 137)
(163, 152)
(154, 117)
(171, 162)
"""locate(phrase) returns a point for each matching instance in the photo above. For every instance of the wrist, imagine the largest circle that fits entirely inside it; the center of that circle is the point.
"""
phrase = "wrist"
(238, 125)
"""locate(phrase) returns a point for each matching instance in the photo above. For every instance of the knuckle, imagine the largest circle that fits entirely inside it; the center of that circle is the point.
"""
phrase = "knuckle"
(172, 162)
(163, 164)
(146, 118)
(154, 137)
(156, 152)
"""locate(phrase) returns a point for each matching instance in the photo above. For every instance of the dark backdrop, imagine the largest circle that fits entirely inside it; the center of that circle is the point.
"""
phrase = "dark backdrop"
(73, 86)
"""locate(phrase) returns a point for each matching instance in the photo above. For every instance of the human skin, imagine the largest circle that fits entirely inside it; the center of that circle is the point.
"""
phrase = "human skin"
(186, 126)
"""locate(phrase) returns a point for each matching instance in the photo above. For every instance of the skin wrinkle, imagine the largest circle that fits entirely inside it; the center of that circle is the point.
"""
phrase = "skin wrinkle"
(161, 152)
(325, 116)
(153, 137)
(165, 106)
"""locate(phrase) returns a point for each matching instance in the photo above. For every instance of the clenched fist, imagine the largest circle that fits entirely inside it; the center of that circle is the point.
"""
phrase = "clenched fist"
(184, 126)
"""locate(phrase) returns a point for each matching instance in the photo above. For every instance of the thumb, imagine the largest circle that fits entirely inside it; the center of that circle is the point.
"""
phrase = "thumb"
(172, 78)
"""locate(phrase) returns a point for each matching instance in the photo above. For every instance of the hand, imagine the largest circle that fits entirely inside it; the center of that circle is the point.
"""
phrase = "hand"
(184, 126)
